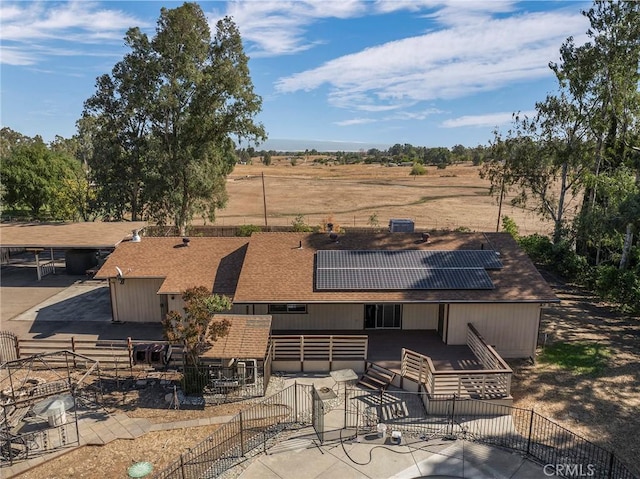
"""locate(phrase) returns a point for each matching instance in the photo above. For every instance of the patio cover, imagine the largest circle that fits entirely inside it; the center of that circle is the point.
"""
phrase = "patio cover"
(248, 338)
(89, 235)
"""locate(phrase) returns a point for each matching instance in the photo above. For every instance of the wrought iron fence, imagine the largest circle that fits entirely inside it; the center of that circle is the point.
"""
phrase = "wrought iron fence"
(244, 435)
(254, 430)
(221, 384)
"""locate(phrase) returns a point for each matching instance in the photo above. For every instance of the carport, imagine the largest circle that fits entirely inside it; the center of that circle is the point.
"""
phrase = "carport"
(85, 239)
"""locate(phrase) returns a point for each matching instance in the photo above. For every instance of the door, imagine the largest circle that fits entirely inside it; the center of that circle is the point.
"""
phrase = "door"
(442, 308)
(382, 316)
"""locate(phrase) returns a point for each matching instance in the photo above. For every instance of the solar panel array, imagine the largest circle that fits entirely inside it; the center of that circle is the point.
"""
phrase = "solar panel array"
(353, 270)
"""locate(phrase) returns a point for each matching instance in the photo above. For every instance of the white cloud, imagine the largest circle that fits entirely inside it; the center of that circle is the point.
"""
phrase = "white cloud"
(355, 121)
(489, 119)
(280, 27)
(73, 23)
(449, 63)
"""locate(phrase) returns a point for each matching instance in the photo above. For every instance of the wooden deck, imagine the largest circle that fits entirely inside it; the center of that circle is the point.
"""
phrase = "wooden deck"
(385, 347)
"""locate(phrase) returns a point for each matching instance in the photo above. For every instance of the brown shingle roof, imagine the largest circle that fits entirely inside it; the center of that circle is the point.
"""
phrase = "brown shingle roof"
(93, 235)
(248, 338)
(210, 262)
(276, 270)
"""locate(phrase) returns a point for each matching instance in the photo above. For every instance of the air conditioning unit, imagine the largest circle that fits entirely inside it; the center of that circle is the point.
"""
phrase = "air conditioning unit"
(247, 370)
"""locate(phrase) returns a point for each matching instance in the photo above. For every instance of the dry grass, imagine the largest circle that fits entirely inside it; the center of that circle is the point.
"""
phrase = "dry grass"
(442, 199)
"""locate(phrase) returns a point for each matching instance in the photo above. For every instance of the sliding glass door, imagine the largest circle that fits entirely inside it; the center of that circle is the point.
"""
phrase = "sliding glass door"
(382, 316)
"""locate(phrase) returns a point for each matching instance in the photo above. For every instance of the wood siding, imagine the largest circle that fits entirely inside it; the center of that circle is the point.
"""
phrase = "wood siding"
(136, 301)
(420, 316)
(511, 328)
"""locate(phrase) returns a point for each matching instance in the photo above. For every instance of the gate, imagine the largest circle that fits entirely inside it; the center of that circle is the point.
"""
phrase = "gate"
(317, 414)
(8, 346)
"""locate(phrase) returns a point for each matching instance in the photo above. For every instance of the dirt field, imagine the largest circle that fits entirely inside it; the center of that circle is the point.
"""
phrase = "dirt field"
(442, 199)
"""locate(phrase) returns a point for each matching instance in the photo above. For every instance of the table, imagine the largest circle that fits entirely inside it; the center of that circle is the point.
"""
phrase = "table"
(344, 377)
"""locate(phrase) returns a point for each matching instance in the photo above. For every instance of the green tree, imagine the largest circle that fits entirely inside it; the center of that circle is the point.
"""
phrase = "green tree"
(32, 176)
(195, 327)
(205, 97)
(117, 118)
(164, 120)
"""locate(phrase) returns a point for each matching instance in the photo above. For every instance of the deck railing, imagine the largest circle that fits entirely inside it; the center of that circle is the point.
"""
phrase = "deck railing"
(491, 382)
(316, 349)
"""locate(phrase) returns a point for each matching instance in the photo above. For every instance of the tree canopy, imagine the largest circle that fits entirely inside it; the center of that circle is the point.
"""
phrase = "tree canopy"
(577, 160)
(163, 124)
(194, 327)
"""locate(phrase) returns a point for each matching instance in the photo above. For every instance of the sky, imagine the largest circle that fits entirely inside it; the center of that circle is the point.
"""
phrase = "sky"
(333, 75)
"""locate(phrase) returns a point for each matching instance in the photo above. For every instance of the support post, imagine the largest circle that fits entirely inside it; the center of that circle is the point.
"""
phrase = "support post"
(530, 432)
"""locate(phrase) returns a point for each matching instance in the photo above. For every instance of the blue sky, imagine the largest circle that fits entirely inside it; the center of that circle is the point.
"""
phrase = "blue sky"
(363, 73)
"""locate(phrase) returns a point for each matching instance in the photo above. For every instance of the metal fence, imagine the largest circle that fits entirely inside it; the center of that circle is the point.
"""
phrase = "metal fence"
(247, 433)
(254, 430)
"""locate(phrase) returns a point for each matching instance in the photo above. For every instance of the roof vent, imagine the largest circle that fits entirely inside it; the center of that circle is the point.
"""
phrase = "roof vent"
(185, 241)
(136, 236)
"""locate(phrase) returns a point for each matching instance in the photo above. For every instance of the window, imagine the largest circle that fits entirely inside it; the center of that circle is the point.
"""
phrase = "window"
(287, 309)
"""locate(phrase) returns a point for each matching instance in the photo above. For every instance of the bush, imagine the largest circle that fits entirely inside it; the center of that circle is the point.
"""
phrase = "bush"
(299, 225)
(418, 170)
(622, 287)
(538, 247)
(510, 226)
(248, 230)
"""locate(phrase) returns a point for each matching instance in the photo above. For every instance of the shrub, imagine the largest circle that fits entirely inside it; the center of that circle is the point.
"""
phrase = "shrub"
(299, 225)
(510, 226)
(247, 230)
(418, 170)
(538, 247)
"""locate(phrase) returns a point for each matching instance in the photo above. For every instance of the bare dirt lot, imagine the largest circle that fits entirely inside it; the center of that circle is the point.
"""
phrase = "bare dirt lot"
(442, 199)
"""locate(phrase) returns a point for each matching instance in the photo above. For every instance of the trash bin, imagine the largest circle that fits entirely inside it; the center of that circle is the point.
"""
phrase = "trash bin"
(56, 414)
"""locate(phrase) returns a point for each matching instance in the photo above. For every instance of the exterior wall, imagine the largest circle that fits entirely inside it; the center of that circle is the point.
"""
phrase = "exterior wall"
(420, 316)
(320, 316)
(341, 316)
(511, 328)
(175, 303)
(137, 301)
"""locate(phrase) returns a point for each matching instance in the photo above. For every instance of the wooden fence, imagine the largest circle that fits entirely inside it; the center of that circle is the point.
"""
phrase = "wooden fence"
(111, 354)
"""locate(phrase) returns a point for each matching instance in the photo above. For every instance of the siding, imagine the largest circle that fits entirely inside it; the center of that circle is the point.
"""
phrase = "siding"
(318, 317)
(136, 301)
(511, 328)
(420, 316)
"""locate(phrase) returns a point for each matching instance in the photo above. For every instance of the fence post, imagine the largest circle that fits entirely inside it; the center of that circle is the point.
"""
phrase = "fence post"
(453, 413)
(130, 349)
(73, 350)
(241, 435)
(295, 400)
(611, 459)
(184, 476)
(17, 348)
(345, 406)
(530, 432)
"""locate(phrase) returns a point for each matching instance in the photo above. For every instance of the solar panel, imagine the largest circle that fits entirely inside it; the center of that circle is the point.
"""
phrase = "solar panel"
(407, 259)
(340, 279)
(404, 269)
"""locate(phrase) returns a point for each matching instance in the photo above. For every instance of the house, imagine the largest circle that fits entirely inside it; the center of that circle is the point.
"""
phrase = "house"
(313, 283)
(147, 278)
